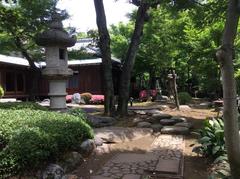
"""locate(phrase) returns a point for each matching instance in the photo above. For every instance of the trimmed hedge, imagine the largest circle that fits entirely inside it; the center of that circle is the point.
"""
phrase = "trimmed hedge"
(31, 138)
(22, 105)
(78, 112)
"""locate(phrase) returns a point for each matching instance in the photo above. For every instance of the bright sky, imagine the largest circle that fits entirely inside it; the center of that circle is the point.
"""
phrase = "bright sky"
(83, 15)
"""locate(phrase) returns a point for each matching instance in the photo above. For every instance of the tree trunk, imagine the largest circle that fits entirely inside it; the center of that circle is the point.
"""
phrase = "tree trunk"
(33, 69)
(225, 56)
(130, 59)
(175, 92)
(109, 105)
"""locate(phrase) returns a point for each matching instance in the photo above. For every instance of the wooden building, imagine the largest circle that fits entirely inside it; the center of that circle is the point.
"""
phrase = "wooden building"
(15, 77)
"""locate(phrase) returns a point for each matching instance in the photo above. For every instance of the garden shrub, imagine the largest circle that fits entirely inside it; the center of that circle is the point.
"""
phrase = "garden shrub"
(78, 112)
(31, 138)
(86, 97)
(1, 91)
(213, 146)
(22, 105)
(97, 99)
(184, 97)
(212, 138)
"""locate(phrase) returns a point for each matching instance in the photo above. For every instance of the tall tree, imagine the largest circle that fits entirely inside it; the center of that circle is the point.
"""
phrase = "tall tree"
(20, 21)
(130, 57)
(225, 57)
(109, 105)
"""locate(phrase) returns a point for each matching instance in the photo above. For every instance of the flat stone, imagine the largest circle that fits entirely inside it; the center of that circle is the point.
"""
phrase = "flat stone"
(71, 161)
(144, 124)
(175, 130)
(137, 120)
(184, 124)
(98, 121)
(184, 107)
(70, 177)
(99, 177)
(98, 141)
(131, 176)
(153, 111)
(168, 166)
(87, 147)
(163, 107)
(133, 158)
(205, 105)
(121, 134)
(161, 116)
(156, 127)
(53, 171)
(141, 112)
(168, 122)
(179, 119)
(105, 148)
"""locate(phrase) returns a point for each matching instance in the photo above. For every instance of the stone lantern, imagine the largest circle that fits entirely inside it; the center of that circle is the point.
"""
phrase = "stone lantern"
(56, 40)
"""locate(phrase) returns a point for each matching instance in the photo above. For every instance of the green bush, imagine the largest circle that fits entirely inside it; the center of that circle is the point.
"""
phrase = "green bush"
(212, 139)
(86, 97)
(31, 138)
(1, 92)
(22, 105)
(78, 112)
(184, 98)
(213, 146)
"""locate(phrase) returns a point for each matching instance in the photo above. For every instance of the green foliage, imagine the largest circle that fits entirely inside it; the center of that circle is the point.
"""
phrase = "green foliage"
(184, 97)
(22, 105)
(80, 54)
(213, 145)
(21, 21)
(1, 91)
(78, 112)
(30, 138)
(184, 38)
(212, 138)
(86, 97)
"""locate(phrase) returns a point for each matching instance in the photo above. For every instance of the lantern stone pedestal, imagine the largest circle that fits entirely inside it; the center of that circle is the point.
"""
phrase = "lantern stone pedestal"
(56, 40)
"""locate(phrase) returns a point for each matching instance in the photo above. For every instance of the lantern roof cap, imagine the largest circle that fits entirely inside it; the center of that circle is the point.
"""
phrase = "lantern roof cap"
(55, 35)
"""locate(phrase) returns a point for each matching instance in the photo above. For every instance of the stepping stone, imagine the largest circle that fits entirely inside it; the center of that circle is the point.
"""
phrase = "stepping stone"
(179, 119)
(168, 166)
(131, 176)
(141, 112)
(168, 122)
(153, 111)
(156, 127)
(129, 158)
(184, 107)
(99, 177)
(175, 130)
(98, 141)
(161, 116)
(137, 120)
(144, 125)
(121, 134)
(184, 124)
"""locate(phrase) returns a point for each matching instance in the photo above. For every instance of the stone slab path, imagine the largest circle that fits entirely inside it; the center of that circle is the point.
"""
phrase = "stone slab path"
(164, 160)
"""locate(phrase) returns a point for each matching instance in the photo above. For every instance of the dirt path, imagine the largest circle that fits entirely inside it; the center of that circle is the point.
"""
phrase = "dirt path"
(195, 167)
(146, 156)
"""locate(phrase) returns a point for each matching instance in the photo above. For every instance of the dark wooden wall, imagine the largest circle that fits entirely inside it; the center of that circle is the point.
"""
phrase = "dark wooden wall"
(87, 78)
(18, 75)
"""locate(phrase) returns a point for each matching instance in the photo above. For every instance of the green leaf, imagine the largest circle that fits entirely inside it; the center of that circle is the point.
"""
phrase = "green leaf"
(215, 149)
(204, 139)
